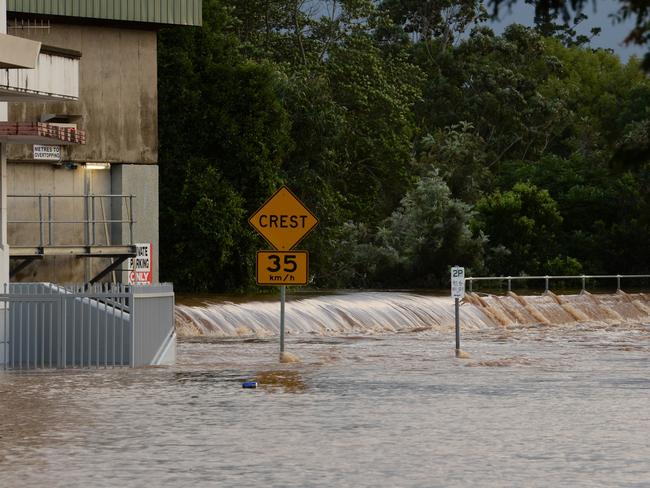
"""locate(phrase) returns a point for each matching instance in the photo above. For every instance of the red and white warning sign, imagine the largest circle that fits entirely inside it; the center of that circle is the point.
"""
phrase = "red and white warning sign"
(141, 266)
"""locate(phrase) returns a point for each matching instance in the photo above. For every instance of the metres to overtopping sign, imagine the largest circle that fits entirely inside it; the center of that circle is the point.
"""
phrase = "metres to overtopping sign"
(282, 268)
(283, 220)
(48, 153)
(457, 282)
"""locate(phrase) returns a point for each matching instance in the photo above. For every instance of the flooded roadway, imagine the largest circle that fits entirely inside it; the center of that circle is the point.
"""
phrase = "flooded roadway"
(535, 405)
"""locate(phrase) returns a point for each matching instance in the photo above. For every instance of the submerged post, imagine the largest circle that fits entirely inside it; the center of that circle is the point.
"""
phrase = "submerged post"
(457, 308)
(283, 294)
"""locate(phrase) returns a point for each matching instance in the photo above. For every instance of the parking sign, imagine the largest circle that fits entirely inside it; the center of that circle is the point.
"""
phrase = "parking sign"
(457, 282)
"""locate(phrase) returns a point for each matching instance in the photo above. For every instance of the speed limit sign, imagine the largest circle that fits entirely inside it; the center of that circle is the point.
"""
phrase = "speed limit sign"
(282, 268)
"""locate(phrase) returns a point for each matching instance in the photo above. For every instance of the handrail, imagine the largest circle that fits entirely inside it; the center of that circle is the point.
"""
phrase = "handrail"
(45, 210)
(65, 195)
(547, 278)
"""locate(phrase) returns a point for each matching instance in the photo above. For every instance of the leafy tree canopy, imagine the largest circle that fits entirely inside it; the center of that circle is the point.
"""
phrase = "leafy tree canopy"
(419, 137)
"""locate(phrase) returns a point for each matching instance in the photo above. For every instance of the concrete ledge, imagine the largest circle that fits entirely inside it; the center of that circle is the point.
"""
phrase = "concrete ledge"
(16, 52)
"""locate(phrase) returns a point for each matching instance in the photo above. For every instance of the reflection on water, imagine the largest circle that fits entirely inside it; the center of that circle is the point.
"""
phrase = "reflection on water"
(501, 363)
(537, 405)
(289, 381)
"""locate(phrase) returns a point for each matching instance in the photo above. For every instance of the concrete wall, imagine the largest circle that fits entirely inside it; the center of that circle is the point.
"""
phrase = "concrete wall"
(117, 93)
(38, 178)
(129, 179)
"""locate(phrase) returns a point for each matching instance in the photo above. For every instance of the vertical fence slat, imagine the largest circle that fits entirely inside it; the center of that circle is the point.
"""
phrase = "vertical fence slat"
(81, 332)
(63, 316)
(73, 323)
(90, 334)
(20, 340)
(98, 333)
(106, 331)
(122, 336)
(13, 343)
(28, 344)
(6, 330)
(41, 306)
(51, 335)
(114, 345)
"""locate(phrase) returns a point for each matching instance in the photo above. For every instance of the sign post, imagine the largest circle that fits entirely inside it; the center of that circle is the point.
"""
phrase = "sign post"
(283, 298)
(283, 221)
(457, 292)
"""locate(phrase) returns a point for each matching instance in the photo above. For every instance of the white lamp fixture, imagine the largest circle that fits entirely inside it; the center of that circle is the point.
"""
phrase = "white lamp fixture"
(94, 166)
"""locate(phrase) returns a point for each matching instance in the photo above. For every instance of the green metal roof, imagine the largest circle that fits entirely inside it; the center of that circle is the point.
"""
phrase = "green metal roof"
(181, 12)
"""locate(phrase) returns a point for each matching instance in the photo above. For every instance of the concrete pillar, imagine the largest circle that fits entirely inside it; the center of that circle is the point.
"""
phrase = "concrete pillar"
(3, 16)
(4, 247)
(140, 180)
(4, 251)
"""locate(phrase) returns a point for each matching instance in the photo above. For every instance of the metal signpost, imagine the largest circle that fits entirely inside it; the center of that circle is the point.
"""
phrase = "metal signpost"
(283, 221)
(457, 292)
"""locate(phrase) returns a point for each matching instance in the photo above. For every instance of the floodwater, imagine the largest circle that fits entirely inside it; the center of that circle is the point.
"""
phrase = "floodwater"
(556, 393)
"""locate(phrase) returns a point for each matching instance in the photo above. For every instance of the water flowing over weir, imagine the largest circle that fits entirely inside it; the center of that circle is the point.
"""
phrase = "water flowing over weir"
(389, 312)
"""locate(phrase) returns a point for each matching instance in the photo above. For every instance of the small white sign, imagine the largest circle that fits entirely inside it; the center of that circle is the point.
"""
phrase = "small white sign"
(141, 266)
(48, 153)
(457, 282)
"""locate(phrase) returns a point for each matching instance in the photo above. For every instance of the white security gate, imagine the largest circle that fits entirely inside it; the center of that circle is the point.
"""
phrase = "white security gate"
(43, 325)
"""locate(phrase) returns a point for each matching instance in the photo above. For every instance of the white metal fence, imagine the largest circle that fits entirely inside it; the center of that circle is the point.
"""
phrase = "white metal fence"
(43, 325)
(582, 279)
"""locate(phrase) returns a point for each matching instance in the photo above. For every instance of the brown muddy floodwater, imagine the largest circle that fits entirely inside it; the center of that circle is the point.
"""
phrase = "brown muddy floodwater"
(556, 393)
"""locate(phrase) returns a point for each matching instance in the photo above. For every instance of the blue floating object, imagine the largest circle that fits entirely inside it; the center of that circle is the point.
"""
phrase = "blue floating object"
(249, 384)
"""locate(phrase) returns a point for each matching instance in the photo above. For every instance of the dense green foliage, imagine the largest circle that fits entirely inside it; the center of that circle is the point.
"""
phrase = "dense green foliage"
(418, 148)
(560, 17)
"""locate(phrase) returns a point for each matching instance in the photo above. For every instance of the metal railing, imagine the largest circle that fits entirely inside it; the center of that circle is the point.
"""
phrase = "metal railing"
(547, 278)
(43, 325)
(94, 217)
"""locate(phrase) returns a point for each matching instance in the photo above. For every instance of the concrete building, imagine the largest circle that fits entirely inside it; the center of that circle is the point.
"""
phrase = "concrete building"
(75, 211)
(28, 73)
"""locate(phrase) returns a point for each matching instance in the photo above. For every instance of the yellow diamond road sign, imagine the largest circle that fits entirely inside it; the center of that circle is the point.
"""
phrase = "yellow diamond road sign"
(283, 220)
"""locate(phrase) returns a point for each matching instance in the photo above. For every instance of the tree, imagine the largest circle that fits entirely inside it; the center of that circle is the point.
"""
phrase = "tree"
(494, 84)
(221, 122)
(416, 245)
(434, 19)
(389, 125)
(547, 13)
(521, 226)
(458, 152)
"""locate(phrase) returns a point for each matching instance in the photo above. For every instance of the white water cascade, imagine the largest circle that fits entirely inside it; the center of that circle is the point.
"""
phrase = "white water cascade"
(389, 312)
